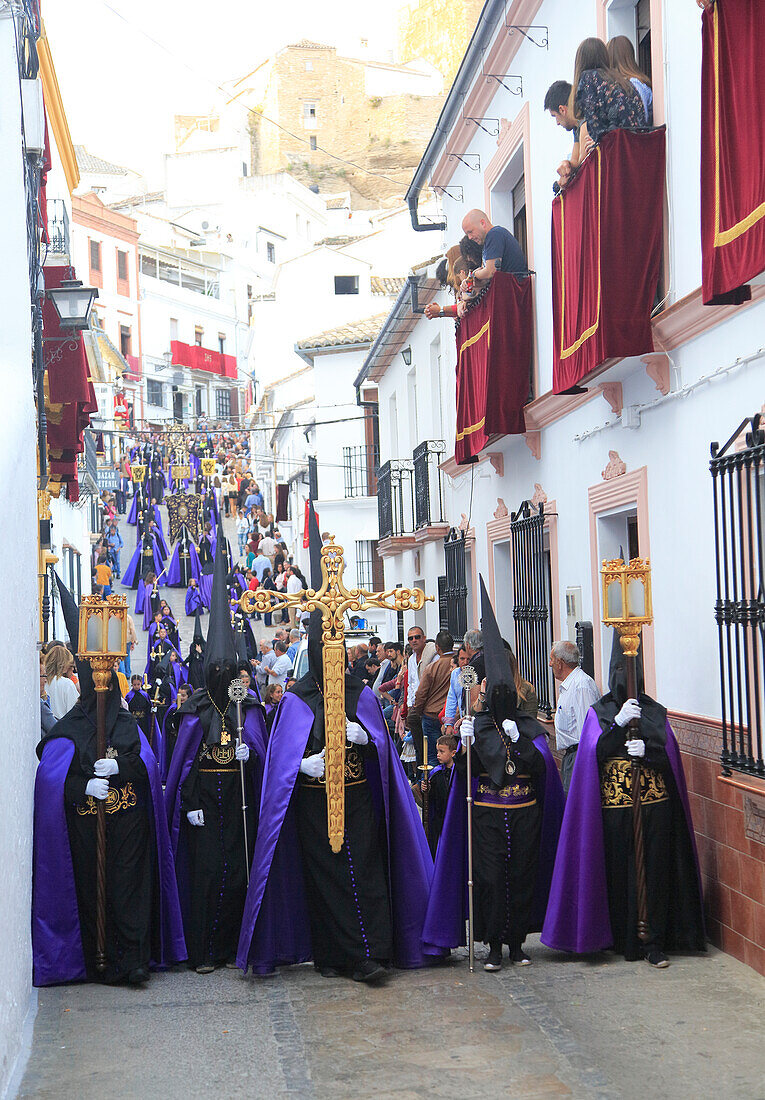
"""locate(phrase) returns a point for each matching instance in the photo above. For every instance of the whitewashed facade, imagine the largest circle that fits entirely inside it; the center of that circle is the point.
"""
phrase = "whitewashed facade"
(628, 462)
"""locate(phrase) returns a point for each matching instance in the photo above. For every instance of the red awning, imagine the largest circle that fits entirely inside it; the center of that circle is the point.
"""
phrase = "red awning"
(197, 358)
(732, 150)
(493, 365)
(70, 394)
(606, 254)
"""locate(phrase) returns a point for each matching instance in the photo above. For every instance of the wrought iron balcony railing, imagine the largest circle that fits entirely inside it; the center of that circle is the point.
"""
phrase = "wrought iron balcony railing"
(360, 471)
(395, 498)
(58, 228)
(428, 488)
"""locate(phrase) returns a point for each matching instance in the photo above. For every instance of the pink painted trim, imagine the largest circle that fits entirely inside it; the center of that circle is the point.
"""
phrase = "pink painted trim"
(534, 443)
(549, 407)
(689, 317)
(620, 491)
(612, 392)
(657, 367)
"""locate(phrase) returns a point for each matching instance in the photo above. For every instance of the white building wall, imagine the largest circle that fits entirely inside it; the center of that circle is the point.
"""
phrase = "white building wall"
(18, 593)
(673, 437)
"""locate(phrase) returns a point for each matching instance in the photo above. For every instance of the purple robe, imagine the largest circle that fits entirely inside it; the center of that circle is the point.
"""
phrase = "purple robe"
(205, 588)
(577, 915)
(132, 518)
(140, 598)
(185, 753)
(174, 568)
(194, 600)
(448, 904)
(56, 938)
(275, 927)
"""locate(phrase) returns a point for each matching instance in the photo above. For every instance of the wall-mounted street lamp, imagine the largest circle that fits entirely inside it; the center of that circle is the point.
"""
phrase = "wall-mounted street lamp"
(406, 355)
(73, 303)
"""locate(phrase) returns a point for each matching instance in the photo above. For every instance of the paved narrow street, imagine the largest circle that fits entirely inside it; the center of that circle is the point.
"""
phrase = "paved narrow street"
(594, 1027)
(597, 1027)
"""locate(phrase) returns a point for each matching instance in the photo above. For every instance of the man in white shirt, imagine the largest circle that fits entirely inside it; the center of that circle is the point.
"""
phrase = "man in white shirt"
(576, 694)
(294, 585)
(423, 652)
(267, 658)
(267, 546)
(282, 666)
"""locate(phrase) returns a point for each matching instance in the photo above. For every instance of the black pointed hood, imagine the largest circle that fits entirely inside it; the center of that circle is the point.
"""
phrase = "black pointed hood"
(499, 681)
(653, 718)
(79, 725)
(198, 635)
(315, 665)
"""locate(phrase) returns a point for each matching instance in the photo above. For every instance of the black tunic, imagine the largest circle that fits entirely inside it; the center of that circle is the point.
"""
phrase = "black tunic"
(130, 862)
(438, 793)
(505, 841)
(347, 891)
(674, 908)
(217, 868)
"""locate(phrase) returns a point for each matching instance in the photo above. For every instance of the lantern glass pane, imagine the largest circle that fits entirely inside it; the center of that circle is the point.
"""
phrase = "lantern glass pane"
(115, 634)
(93, 638)
(615, 610)
(636, 599)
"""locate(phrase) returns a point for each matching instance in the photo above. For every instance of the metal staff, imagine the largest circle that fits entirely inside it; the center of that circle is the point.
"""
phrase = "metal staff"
(468, 680)
(237, 692)
(641, 885)
(425, 768)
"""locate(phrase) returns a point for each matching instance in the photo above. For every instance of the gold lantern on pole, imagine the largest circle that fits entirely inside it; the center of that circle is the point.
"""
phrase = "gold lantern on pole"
(102, 640)
(627, 605)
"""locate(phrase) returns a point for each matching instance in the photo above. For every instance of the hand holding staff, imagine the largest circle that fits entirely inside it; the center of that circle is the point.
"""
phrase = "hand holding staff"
(237, 692)
(468, 680)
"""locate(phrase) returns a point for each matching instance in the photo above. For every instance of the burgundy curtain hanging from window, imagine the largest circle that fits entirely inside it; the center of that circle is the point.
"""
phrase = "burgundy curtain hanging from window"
(732, 150)
(494, 343)
(606, 254)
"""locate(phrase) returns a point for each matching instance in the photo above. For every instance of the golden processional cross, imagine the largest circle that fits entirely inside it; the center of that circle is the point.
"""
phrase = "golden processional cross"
(333, 599)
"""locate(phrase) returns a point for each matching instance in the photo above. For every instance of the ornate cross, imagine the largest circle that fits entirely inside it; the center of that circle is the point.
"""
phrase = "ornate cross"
(333, 599)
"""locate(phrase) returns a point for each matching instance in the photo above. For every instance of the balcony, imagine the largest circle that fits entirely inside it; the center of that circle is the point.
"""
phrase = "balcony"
(135, 368)
(58, 230)
(428, 491)
(202, 359)
(395, 507)
(607, 255)
(360, 471)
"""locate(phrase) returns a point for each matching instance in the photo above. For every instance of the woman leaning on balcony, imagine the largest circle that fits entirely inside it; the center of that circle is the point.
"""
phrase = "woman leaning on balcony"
(461, 259)
(603, 98)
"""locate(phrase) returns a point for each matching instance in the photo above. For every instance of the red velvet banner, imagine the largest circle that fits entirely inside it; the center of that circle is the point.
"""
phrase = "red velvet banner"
(732, 150)
(493, 366)
(606, 254)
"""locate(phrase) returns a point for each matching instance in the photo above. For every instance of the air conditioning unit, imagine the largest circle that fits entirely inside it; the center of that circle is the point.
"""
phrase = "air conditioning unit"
(33, 109)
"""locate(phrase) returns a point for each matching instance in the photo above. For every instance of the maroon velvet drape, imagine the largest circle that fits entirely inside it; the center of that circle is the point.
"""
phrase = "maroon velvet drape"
(606, 254)
(494, 365)
(732, 150)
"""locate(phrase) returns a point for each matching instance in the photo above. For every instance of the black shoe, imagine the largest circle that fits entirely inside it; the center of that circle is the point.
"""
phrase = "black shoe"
(368, 971)
(329, 972)
(138, 976)
(494, 961)
(519, 956)
(657, 959)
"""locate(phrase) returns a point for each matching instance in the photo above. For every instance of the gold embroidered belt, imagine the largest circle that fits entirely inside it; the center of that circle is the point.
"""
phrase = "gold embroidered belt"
(514, 796)
(354, 773)
(124, 798)
(616, 785)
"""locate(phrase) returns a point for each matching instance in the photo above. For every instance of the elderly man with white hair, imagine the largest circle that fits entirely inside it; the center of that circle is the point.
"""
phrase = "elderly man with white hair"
(576, 694)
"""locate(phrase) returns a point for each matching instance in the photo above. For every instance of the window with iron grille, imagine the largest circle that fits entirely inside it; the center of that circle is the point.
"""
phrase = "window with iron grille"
(271, 252)
(532, 592)
(738, 483)
(122, 272)
(223, 404)
(125, 340)
(95, 256)
(364, 567)
(155, 392)
(359, 467)
(313, 478)
(455, 588)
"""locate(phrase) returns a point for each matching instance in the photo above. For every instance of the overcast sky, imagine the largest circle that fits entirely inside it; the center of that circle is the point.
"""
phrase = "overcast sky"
(121, 90)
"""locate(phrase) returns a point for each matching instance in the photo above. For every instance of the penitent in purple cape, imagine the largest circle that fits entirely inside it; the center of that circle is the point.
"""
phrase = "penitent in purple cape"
(577, 915)
(56, 938)
(448, 906)
(174, 568)
(275, 927)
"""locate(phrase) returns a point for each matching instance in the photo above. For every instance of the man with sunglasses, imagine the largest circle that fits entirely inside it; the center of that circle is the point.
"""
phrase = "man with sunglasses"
(423, 654)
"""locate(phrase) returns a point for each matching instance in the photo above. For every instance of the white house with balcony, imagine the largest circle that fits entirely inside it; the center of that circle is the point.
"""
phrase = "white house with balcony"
(614, 460)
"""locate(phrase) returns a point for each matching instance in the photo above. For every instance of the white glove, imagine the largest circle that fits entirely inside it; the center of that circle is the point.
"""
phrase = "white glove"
(97, 788)
(355, 733)
(105, 766)
(242, 752)
(636, 747)
(467, 734)
(630, 710)
(511, 729)
(195, 817)
(313, 766)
